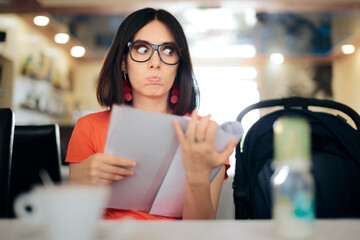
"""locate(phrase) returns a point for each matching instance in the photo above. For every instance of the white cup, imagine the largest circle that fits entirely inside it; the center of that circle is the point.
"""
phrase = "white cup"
(66, 211)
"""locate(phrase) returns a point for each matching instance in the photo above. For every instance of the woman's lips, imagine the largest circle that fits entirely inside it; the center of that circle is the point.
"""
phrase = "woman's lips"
(154, 79)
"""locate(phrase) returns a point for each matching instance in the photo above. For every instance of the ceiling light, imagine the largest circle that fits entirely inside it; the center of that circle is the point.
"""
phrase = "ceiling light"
(348, 49)
(77, 51)
(41, 20)
(62, 38)
(277, 58)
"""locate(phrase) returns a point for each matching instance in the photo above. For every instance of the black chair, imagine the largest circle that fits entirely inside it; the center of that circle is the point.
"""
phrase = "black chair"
(35, 148)
(7, 124)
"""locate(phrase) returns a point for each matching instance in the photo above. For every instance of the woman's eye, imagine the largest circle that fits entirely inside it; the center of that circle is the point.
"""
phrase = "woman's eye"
(169, 50)
(141, 49)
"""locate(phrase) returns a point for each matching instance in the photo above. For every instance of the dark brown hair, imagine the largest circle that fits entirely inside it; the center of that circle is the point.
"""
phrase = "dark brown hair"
(110, 88)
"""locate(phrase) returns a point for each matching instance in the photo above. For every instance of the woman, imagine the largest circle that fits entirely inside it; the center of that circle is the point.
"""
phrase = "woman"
(148, 67)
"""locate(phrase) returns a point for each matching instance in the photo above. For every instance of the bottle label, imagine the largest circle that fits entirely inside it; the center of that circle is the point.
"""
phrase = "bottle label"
(303, 207)
(294, 214)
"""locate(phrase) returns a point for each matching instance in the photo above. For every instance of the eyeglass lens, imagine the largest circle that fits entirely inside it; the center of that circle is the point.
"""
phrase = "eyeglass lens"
(142, 52)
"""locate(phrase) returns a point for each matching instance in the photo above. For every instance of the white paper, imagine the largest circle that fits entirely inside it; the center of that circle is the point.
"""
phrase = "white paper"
(150, 139)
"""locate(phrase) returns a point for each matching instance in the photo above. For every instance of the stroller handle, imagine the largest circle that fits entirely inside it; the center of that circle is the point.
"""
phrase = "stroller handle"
(304, 103)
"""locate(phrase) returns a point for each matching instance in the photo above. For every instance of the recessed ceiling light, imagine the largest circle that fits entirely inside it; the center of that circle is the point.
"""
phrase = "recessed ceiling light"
(77, 51)
(348, 49)
(277, 58)
(41, 20)
(62, 38)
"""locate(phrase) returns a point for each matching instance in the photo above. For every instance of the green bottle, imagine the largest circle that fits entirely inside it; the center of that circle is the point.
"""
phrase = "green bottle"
(292, 183)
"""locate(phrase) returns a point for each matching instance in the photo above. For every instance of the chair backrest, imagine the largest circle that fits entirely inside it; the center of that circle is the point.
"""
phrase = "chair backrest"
(335, 160)
(36, 147)
(7, 123)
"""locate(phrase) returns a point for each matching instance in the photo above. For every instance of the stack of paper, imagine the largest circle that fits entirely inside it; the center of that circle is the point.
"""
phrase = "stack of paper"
(149, 139)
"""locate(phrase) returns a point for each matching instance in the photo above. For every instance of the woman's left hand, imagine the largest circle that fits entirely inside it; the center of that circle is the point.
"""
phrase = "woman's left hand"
(198, 152)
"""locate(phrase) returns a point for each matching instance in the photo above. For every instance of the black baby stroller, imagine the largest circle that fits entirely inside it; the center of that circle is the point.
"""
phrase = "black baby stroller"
(335, 160)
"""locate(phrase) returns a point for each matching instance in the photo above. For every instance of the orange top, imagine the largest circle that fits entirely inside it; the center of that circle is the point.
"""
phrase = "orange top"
(88, 138)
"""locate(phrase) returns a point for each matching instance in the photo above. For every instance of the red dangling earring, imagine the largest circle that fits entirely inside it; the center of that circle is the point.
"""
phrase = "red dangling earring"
(175, 94)
(127, 89)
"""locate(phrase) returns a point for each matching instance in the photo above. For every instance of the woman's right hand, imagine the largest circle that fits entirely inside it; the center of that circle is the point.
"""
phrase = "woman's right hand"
(101, 168)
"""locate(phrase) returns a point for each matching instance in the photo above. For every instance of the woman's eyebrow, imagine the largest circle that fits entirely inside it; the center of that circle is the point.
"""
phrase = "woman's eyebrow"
(140, 40)
(144, 41)
(169, 43)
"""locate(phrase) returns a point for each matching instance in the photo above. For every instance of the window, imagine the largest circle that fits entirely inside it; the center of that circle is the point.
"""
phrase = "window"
(224, 92)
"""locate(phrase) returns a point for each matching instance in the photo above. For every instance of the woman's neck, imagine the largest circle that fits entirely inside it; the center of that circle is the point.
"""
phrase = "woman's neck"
(152, 105)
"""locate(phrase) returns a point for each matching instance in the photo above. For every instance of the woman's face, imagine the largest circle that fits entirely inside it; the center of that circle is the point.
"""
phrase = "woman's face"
(154, 78)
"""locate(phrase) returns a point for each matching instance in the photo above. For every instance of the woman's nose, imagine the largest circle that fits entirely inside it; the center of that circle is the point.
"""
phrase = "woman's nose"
(154, 61)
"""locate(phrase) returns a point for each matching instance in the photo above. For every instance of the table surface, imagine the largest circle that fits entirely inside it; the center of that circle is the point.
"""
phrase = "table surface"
(220, 229)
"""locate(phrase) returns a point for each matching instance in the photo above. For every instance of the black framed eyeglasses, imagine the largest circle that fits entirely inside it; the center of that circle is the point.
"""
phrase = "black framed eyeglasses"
(142, 51)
